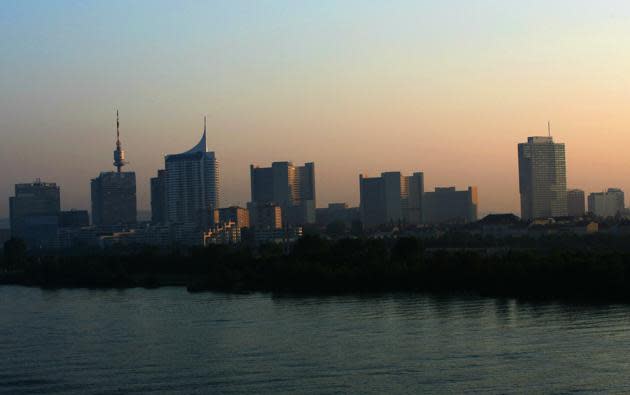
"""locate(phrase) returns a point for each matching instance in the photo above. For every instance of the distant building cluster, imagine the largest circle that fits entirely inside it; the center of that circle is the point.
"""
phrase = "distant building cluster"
(186, 208)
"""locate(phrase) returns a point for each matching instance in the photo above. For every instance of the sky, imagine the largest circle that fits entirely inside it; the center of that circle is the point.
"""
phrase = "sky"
(445, 87)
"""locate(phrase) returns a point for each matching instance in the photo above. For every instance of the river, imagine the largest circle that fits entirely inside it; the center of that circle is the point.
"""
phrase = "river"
(167, 340)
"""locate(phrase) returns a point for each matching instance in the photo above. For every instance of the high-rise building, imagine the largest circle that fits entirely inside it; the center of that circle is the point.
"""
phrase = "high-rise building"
(447, 205)
(391, 199)
(415, 198)
(606, 204)
(158, 198)
(575, 203)
(542, 178)
(34, 212)
(192, 183)
(114, 192)
(290, 187)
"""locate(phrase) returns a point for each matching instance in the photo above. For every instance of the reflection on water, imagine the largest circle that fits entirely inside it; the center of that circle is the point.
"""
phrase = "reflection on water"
(167, 340)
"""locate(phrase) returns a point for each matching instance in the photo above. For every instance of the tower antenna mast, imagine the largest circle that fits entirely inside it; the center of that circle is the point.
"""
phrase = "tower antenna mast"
(549, 128)
(119, 153)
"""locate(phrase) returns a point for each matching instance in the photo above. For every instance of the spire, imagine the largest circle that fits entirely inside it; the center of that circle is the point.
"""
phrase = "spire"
(119, 153)
(202, 145)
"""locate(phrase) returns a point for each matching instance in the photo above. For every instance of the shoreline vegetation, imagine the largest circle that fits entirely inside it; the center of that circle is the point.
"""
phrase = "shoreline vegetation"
(593, 267)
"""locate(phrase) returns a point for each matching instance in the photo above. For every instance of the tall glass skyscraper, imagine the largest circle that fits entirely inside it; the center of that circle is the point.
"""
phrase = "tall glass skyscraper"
(192, 184)
(542, 178)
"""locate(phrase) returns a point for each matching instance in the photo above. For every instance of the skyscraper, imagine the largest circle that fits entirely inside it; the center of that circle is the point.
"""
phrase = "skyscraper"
(114, 193)
(192, 184)
(606, 204)
(575, 203)
(542, 178)
(290, 187)
(34, 212)
(391, 199)
(158, 198)
(415, 199)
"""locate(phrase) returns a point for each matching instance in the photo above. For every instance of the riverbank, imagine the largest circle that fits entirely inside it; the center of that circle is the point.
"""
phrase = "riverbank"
(318, 266)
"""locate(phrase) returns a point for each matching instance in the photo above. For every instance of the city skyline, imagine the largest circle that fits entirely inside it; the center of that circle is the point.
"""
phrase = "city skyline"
(146, 205)
(449, 89)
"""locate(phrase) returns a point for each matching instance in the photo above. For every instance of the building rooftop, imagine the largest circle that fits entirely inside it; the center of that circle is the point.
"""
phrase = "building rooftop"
(540, 140)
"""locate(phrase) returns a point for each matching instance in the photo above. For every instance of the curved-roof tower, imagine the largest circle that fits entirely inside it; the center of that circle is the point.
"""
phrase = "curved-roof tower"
(192, 183)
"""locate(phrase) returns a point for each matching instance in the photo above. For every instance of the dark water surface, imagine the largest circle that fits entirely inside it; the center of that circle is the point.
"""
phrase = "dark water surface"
(167, 340)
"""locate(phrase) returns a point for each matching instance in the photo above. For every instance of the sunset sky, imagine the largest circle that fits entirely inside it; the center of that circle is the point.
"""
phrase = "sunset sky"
(444, 87)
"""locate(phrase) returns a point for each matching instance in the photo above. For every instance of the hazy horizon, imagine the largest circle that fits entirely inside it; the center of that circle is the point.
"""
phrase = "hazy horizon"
(448, 88)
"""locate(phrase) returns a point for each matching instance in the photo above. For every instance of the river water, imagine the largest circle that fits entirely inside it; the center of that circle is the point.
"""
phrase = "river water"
(170, 341)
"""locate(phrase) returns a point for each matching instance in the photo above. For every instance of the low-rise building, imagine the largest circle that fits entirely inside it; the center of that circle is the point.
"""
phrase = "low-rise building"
(575, 203)
(447, 205)
(223, 233)
(606, 204)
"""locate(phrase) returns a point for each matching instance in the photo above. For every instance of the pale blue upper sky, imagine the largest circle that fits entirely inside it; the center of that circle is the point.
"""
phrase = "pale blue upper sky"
(448, 87)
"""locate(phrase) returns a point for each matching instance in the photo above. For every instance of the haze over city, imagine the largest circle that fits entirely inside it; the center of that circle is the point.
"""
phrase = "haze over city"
(356, 87)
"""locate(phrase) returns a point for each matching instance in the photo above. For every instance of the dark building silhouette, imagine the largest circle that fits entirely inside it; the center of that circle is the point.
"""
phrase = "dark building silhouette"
(447, 205)
(575, 203)
(114, 199)
(290, 187)
(391, 199)
(336, 212)
(114, 193)
(159, 214)
(265, 216)
(34, 213)
(74, 219)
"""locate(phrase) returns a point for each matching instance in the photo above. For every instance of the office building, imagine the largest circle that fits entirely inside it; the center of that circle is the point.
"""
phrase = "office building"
(158, 198)
(606, 204)
(34, 213)
(114, 198)
(415, 199)
(192, 183)
(337, 212)
(290, 187)
(542, 178)
(265, 216)
(114, 192)
(391, 199)
(447, 205)
(74, 219)
(575, 203)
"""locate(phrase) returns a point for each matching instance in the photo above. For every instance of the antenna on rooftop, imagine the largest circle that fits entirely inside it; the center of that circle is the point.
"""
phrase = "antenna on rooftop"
(119, 153)
(549, 128)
